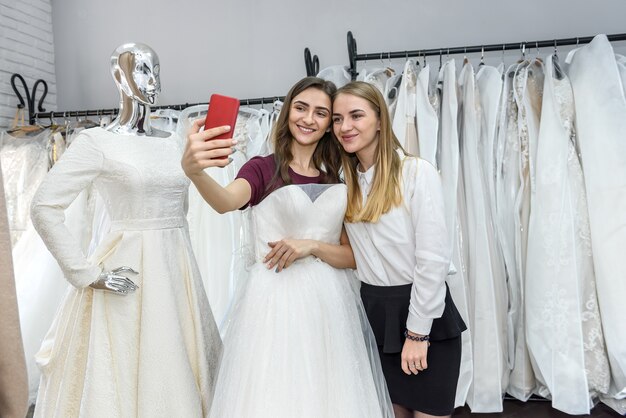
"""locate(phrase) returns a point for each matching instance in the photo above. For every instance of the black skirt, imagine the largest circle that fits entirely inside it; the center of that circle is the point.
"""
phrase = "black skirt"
(433, 390)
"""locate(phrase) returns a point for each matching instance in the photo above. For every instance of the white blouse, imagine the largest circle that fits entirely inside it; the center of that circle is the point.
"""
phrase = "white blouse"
(408, 244)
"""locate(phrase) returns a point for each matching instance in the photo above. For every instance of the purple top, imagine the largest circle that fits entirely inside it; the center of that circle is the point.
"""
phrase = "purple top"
(259, 171)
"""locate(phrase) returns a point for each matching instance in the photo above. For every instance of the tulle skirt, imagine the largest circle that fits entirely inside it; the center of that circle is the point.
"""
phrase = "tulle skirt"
(298, 344)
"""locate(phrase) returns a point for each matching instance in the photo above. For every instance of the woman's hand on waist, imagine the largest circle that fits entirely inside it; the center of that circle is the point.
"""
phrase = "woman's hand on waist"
(284, 252)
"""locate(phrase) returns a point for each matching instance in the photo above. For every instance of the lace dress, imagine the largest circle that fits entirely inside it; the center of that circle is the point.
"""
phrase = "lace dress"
(600, 106)
(151, 353)
(570, 359)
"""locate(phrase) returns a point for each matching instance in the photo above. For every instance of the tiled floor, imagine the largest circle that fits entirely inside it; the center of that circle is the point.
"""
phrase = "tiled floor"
(534, 409)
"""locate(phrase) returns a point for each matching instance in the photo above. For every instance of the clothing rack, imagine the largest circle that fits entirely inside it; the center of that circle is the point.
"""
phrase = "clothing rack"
(114, 111)
(311, 63)
(30, 96)
(354, 57)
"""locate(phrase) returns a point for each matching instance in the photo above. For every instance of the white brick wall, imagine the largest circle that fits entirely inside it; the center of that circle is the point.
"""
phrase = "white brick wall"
(27, 48)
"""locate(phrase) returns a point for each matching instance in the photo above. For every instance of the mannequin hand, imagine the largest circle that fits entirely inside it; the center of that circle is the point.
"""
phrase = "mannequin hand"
(286, 251)
(113, 281)
(200, 153)
(414, 356)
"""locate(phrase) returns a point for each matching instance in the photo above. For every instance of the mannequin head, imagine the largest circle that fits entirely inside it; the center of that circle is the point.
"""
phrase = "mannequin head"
(135, 69)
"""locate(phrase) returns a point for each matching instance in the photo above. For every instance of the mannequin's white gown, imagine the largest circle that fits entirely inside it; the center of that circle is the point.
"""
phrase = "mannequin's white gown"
(151, 353)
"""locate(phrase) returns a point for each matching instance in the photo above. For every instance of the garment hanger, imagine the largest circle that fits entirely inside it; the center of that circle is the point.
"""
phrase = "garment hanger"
(417, 61)
(385, 67)
(522, 48)
(84, 122)
(558, 72)
(38, 123)
(393, 92)
(390, 71)
(482, 56)
(521, 62)
(19, 127)
(535, 62)
(538, 57)
(504, 68)
(58, 126)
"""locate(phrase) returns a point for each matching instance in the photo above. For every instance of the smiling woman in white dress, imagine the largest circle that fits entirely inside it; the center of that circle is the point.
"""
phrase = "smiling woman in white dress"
(298, 343)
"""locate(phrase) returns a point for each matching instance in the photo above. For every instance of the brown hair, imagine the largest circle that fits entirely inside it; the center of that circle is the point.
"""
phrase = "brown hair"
(386, 189)
(327, 154)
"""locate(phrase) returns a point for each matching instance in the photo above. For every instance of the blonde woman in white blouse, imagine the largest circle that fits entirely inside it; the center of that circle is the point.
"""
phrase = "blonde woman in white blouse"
(396, 225)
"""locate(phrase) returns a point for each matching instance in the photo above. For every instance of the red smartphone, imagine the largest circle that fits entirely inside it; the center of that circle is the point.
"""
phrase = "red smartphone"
(223, 111)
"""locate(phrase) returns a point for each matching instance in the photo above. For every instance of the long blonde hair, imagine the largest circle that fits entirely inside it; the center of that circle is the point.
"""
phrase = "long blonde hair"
(386, 190)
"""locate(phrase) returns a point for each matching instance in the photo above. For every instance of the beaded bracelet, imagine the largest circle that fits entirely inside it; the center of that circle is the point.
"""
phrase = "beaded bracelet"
(415, 337)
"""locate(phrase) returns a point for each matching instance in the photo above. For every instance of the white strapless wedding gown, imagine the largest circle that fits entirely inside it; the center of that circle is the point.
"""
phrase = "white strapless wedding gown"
(298, 343)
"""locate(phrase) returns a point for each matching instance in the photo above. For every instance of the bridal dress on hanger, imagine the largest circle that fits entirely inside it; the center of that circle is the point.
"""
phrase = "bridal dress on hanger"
(298, 342)
(488, 297)
(527, 85)
(338, 74)
(41, 286)
(507, 170)
(253, 131)
(489, 88)
(448, 157)
(426, 118)
(39, 291)
(600, 106)
(403, 124)
(153, 352)
(563, 326)
(24, 165)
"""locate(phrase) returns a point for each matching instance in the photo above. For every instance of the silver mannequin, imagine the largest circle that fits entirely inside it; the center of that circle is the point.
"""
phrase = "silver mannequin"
(136, 71)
